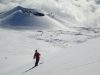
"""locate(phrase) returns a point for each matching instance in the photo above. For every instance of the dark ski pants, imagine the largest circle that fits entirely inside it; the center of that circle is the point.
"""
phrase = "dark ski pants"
(37, 61)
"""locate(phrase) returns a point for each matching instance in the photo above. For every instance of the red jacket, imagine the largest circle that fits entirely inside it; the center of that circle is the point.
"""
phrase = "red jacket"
(37, 55)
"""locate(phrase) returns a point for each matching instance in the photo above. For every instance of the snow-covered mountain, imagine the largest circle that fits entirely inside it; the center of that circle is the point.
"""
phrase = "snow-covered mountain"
(66, 13)
(24, 18)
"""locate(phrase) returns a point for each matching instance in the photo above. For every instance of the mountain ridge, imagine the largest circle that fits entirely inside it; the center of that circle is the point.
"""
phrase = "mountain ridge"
(25, 18)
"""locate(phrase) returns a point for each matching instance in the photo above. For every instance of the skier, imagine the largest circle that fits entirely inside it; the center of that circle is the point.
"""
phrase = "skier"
(37, 57)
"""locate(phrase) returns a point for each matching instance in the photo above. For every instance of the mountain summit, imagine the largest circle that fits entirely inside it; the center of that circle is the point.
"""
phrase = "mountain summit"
(24, 11)
(30, 11)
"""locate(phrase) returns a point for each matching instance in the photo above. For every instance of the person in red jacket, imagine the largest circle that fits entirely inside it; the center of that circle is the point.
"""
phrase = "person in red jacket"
(37, 57)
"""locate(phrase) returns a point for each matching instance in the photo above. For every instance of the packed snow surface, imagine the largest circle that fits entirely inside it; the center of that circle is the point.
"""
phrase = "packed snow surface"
(62, 52)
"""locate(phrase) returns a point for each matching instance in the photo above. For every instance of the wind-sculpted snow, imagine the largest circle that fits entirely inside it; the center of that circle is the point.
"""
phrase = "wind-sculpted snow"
(63, 38)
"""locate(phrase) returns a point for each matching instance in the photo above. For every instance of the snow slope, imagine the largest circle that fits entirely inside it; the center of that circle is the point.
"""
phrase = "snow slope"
(66, 33)
(24, 18)
(83, 59)
(63, 52)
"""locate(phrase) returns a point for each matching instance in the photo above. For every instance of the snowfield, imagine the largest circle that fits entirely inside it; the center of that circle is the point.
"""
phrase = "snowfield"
(62, 52)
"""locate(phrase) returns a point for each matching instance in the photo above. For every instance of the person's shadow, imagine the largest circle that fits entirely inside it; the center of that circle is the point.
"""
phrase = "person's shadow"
(30, 68)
